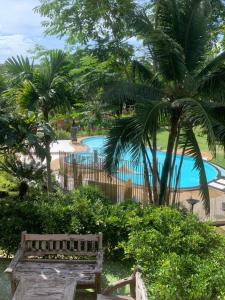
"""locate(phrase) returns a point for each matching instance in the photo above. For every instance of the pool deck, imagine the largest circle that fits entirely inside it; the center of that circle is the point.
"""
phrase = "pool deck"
(64, 146)
(216, 188)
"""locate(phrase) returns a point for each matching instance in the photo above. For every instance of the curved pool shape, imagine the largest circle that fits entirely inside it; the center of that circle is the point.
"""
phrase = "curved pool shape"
(189, 175)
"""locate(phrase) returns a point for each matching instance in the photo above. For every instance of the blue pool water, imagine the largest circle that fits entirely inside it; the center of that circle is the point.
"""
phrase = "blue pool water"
(189, 176)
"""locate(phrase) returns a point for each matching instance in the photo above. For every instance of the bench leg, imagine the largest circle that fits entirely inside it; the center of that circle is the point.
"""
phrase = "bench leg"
(98, 283)
(13, 283)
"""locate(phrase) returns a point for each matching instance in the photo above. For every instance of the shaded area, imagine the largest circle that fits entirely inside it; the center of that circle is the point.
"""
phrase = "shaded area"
(113, 271)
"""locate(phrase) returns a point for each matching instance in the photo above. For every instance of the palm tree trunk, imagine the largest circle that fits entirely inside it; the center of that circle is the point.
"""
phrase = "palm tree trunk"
(178, 174)
(168, 158)
(48, 155)
(155, 167)
(146, 173)
(171, 173)
(48, 164)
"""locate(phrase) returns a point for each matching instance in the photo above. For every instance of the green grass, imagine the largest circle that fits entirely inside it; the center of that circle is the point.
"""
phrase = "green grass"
(4, 281)
(219, 160)
(112, 271)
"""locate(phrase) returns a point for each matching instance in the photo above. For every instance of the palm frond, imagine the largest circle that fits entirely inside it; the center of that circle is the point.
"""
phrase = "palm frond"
(128, 134)
(120, 91)
(211, 66)
(53, 64)
(167, 53)
(187, 23)
(151, 113)
(188, 139)
(212, 85)
(195, 113)
(20, 67)
(145, 75)
(125, 136)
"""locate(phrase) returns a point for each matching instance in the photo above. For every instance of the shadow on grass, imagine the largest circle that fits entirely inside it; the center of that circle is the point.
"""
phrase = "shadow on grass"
(5, 289)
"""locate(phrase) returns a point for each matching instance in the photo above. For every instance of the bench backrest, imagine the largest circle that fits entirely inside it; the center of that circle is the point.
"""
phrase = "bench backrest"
(65, 244)
(140, 290)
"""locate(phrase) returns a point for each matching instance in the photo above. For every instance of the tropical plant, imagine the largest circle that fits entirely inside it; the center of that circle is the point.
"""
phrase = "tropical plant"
(178, 85)
(42, 89)
(27, 171)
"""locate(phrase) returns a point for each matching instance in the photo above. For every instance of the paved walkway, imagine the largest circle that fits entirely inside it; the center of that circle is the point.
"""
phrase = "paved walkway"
(64, 146)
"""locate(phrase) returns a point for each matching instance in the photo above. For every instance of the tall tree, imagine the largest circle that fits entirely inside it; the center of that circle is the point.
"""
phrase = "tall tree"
(180, 86)
(43, 89)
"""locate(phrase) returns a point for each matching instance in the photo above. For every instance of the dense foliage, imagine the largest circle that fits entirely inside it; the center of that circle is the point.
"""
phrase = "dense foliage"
(181, 257)
(82, 211)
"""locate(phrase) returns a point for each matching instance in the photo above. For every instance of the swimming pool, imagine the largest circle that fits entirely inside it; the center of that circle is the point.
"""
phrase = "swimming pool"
(189, 176)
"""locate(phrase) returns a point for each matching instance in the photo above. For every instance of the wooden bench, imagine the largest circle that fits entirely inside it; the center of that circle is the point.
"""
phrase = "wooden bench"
(137, 289)
(51, 289)
(59, 256)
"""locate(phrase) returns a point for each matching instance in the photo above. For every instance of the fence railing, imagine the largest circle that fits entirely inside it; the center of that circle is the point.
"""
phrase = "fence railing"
(127, 182)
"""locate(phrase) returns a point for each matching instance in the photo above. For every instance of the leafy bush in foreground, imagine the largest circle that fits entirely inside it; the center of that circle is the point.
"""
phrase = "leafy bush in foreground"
(82, 211)
(181, 257)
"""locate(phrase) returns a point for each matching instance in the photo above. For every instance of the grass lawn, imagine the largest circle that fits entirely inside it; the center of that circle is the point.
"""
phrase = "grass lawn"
(219, 160)
(112, 271)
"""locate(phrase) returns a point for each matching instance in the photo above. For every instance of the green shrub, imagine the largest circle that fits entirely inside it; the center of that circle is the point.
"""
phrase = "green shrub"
(62, 134)
(16, 216)
(84, 210)
(182, 258)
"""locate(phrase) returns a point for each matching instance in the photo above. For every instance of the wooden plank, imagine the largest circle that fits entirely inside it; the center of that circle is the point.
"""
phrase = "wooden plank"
(141, 293)
(43, 245)
(70, 289)
(15, 260)
(37, 245)
(59, 251)
(32, 288)
(79, 246)
(103, 297)
(61, 237)
(19, 293)
(50, 246)
(53, 261)
(118, 284)
(57, 246)
(64, 245)
(71, 245)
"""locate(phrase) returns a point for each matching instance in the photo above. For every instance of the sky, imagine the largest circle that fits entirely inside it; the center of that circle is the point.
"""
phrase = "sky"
(21, 30)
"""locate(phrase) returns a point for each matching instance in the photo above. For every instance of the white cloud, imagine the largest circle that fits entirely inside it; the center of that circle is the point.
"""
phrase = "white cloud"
(12, 45)
(20, 28)
(18, 17)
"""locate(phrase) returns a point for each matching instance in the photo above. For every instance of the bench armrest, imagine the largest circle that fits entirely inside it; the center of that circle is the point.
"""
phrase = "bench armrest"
(14, 261)
(99, 262)
(118, 284)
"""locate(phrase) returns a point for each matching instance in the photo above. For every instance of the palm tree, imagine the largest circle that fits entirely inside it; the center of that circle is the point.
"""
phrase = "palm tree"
(43, 89)
(178, 86)
(24, 172)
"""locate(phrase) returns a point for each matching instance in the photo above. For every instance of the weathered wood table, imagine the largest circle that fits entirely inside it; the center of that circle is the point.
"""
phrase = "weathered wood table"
(58, 257)
(33, 288)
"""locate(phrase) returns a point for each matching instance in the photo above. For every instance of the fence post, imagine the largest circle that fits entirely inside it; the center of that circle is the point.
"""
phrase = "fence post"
(65, 175)
(128, 190)
(74, 173)
(96, 170)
